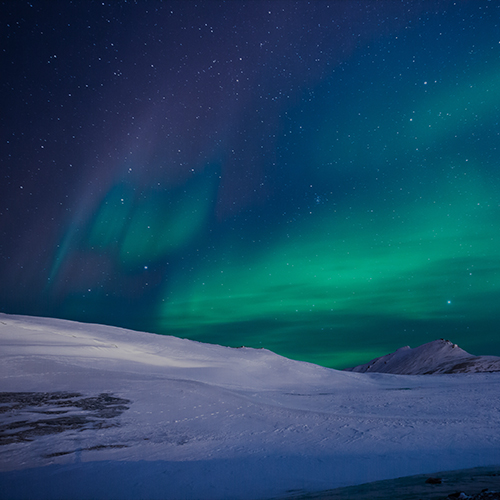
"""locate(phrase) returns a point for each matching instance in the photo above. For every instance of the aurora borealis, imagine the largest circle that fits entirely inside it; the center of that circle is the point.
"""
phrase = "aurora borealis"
(321, 179)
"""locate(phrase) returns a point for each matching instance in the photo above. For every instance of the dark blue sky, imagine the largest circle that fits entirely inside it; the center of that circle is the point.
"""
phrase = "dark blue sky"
(318, 178)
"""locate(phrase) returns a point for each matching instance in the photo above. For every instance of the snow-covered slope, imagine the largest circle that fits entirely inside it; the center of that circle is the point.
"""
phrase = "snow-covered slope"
(439, 356)
(89, 411)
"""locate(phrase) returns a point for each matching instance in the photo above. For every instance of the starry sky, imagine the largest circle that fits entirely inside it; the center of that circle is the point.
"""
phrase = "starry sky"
(319, 178)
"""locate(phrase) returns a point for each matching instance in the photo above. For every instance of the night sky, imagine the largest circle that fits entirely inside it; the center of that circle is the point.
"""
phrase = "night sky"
(318, 178)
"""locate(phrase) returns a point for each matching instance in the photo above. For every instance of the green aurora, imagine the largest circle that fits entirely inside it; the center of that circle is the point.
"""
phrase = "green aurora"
(329, 190)
(419, 253)
(438, 264)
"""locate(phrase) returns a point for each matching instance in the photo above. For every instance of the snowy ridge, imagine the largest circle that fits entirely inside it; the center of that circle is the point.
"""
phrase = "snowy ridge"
(91, 411)
(437, 357)
(66, 345)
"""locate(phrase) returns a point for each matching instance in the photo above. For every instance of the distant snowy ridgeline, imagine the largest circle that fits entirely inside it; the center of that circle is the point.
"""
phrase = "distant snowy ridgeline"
(439, 356)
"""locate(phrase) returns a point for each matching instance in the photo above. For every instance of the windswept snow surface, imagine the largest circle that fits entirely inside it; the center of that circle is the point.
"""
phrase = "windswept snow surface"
(439, 356)
(90, 411)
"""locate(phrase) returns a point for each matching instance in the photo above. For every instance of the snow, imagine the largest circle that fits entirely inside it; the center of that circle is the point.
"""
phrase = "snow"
(439, 356)
(91, 411)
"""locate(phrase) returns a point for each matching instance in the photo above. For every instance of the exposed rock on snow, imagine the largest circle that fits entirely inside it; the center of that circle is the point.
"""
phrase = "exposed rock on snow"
(484, 495)
(439, 356)
(29, 415)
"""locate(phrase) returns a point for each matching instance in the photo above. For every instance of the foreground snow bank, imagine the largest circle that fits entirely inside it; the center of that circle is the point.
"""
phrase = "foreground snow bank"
(89, 411)
(249, 478)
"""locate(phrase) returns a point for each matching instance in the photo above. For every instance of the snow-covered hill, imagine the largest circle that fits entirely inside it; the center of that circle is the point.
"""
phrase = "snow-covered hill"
(439, 356)
(90, 411)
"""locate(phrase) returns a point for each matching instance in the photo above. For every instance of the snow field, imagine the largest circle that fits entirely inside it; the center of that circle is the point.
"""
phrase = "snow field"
(130, 415)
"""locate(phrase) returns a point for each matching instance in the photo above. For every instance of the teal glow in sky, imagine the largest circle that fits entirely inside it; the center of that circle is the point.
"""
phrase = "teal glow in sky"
(323, 182)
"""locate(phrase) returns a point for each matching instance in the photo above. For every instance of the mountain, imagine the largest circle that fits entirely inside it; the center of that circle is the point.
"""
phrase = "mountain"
(437, 357)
